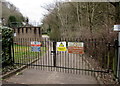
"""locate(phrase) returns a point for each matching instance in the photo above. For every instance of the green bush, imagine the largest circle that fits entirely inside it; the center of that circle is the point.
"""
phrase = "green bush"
(7, 36)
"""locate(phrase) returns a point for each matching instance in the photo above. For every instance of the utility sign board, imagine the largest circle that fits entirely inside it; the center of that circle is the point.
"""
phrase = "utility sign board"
(61, 46)
(35, 46)
(76, 47)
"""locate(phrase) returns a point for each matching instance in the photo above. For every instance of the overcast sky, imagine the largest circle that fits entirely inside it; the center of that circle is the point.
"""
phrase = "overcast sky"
(33, 9)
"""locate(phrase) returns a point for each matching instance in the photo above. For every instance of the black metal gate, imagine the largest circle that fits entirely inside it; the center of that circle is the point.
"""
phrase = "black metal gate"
(99, 54)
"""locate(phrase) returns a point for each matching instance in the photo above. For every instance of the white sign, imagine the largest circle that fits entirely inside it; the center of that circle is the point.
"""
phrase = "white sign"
(116, 27)
(76, 47)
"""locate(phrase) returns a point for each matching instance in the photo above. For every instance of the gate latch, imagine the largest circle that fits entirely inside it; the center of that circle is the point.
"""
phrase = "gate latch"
(52, 51)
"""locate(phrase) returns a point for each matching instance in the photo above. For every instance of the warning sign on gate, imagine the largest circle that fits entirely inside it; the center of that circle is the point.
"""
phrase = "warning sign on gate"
(76, 47)
(35, 46)
(61, 46)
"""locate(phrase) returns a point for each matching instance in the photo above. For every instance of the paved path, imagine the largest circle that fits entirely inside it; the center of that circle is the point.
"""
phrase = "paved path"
(32, 76)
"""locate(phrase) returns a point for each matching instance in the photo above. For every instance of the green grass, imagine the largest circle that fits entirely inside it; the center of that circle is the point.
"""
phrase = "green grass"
(23, 54)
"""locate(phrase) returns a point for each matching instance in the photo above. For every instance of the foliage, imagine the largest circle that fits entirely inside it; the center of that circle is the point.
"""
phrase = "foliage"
(9, 11)
(81, 19)
(13, 21)
(7, 36)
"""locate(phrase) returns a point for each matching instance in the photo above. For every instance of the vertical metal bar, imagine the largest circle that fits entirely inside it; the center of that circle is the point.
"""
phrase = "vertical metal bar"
(48, 50)
(118, 65)
(35, 53)
(13, 61)
(63, 57)
(41, 60)
(76, 61)
(31, 56)
(85, 45)
(27, 51)
(37, 56)
(10, 54)
(68, 58)
(32, 53)
(71, 60)
(40, 55)
(92, 60)
(82, 63)
(21, 50)
(54, 54)
(102, 61)
(88, 65)
(14, 41)
(51, 57)
(80, 58)
(65, 53)
(18, 50)
(24, 50)
(30, 50)
(46, 57)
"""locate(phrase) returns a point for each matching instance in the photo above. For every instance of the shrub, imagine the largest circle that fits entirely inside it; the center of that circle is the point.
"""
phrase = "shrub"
(7, 37)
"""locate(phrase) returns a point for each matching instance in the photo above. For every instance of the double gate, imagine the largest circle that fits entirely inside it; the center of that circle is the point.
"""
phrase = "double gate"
(99, 55)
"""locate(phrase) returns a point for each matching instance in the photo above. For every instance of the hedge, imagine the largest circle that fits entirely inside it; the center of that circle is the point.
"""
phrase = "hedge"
(7, 37)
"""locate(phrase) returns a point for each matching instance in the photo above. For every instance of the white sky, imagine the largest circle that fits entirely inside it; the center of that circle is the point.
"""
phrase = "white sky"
(33, 9)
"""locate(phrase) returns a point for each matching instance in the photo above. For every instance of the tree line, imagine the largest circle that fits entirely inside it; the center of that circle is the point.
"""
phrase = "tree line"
(10, 13)
(81, 19)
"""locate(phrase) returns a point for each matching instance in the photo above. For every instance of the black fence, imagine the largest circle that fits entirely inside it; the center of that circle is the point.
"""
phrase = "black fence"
(99, 56)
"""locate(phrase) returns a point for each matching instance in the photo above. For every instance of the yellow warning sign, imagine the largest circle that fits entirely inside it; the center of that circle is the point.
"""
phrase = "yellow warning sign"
(61, 46)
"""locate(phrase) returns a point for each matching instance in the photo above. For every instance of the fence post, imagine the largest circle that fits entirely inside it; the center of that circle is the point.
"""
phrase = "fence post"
(54, 53)
(12, 51)
(115, 60)
(118, 65)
